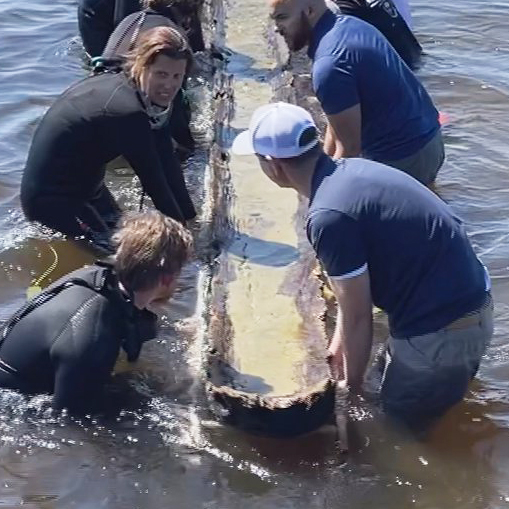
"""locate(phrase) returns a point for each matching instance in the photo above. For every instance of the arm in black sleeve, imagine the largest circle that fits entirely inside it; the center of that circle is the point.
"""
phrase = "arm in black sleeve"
(78, 387)
(173, 172)
(95, 22)
(137, 144)
(180, 120)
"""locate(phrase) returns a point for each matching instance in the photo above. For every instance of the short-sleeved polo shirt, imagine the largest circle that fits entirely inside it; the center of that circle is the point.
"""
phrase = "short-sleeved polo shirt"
(354, 64)
(366, 216)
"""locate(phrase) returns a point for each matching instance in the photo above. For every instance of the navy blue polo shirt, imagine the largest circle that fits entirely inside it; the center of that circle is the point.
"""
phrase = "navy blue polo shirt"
(423, 270)
(353, 64)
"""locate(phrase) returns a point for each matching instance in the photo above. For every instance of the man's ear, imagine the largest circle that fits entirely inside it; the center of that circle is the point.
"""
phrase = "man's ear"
(277, 169)
(307, 7)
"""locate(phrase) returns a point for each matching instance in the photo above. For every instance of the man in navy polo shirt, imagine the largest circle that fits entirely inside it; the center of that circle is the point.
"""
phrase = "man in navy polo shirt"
(375, 106)
(386, 240)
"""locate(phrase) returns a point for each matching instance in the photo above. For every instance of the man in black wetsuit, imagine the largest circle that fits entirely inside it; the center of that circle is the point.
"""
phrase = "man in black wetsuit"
(97, 120)
(97, 19)
(65, 341)
(384, 15)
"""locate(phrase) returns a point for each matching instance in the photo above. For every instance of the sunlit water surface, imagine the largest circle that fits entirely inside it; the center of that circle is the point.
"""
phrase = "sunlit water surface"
(159, 447)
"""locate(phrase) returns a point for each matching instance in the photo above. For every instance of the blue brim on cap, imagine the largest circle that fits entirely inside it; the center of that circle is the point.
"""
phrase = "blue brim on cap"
(243, 144)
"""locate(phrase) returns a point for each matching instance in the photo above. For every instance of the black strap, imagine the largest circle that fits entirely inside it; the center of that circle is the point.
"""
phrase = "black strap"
(98, 284)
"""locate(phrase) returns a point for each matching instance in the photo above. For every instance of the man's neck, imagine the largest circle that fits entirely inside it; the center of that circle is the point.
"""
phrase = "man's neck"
(303, 178)
(319, 9)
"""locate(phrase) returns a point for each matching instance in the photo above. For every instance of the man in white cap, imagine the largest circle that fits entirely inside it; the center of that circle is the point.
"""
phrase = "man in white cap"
(384, 239)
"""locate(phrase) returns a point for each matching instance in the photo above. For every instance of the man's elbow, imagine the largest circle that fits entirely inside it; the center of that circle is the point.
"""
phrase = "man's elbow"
(361, 319)
(347, 149)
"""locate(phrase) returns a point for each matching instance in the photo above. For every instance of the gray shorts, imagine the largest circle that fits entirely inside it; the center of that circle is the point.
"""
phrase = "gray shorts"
(425, 375)
(425, 163)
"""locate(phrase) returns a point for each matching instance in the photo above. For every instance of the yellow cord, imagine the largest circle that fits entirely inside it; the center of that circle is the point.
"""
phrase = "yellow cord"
(35, 286)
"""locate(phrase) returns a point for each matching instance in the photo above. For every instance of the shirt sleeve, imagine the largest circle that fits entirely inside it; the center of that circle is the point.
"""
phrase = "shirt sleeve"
(338, 243)
(137, 145)
(334, 84)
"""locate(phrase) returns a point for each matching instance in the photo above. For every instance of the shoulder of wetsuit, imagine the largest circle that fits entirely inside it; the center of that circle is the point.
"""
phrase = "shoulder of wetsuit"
(138, 326)
(141, 323)
(96, 278)
(123, 100)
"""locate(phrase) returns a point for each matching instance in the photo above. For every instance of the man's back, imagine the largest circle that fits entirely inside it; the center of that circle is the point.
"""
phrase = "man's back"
(422, 268)
(354, 64)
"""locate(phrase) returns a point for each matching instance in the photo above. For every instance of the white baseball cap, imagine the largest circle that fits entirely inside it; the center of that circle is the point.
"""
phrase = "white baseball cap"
(275, 130)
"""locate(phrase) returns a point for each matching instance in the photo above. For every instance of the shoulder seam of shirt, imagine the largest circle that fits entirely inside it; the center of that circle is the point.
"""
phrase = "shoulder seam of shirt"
(323, 209)
(353, 273)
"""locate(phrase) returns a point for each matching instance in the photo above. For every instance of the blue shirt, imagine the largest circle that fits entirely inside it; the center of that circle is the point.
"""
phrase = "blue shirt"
(354, 64)
(423, 270)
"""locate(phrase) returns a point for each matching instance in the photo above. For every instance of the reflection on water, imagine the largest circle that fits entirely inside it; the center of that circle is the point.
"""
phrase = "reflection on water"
(163, 449)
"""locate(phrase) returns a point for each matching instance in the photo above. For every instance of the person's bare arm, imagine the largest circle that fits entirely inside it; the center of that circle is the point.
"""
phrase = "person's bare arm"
(345, 129)
(329, 141)
(350, 347)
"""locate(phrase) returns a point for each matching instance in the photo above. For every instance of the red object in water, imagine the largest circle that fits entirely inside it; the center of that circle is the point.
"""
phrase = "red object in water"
(443, 118)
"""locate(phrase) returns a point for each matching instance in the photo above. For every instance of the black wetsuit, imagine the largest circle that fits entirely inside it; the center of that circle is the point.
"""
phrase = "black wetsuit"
(98, 18)
(93, 122)
(383, 15)
(65, 341)
(123, 40)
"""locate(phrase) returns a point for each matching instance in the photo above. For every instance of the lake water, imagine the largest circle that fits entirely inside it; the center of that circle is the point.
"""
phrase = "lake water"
(163, 449)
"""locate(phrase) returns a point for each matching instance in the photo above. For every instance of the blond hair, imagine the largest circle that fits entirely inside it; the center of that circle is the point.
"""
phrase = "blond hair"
(163, 40)
(149, 245)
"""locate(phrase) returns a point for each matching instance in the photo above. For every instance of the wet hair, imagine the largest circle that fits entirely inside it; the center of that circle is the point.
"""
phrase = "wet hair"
(163, 40)
(148, 246)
